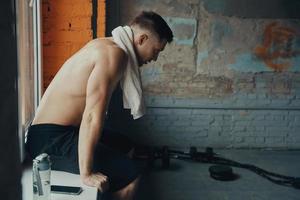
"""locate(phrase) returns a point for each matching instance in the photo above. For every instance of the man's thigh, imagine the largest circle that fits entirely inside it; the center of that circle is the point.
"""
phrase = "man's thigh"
(117, 141)
(117, 166)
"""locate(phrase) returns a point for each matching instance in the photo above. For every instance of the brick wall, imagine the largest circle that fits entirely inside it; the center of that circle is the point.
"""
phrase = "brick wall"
(218, 128)
(230, 78)
(66, 28)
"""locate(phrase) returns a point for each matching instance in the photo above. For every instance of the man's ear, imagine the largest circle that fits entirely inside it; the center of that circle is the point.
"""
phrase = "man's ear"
(142, 39)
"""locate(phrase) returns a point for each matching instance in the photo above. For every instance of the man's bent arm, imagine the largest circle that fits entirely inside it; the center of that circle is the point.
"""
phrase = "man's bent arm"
(93, 116)
(101, 82)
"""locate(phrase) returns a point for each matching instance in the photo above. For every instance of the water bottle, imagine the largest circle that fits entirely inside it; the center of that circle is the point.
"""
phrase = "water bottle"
(41, 171)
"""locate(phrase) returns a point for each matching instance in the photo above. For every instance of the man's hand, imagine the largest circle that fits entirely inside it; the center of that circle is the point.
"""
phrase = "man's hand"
(96, 180)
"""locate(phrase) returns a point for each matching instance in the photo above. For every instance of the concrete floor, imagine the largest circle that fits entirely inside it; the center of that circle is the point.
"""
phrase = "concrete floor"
(191, 181)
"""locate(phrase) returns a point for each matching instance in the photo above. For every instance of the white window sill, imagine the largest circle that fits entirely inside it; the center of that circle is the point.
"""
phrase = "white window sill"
(58, 178)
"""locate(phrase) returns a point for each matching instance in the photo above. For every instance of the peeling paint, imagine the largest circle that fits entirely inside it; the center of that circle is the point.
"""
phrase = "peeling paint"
(220, 30)
(255, 8)
(150, 74)
(199, 86)
(213, 61)
(184, 29)
(247, 62)
(277, 47)
(215, 6)
(201, 56)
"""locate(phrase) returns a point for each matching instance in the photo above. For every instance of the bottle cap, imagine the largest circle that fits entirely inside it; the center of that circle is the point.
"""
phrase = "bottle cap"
(42, 161)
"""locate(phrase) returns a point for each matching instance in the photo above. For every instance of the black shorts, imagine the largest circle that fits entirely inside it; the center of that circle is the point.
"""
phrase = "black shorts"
(61, 143)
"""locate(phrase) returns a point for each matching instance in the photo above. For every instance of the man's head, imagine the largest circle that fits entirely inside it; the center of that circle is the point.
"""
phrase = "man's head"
(151, 34)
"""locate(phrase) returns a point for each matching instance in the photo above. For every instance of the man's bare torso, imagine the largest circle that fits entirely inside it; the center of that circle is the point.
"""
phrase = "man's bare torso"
(64, 100)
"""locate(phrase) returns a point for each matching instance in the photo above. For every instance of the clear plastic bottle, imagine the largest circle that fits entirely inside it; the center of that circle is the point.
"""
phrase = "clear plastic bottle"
(41, 171)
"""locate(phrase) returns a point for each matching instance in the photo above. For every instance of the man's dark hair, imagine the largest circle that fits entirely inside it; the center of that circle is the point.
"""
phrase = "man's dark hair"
(153, 22)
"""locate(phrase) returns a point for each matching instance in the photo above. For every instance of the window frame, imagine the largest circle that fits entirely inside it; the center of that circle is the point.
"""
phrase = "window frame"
(29, 46)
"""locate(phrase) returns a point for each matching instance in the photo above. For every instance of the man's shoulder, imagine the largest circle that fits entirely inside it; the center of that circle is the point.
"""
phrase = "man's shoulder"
(107, 45)
(108, 48)
(118, 52)
(110, 56)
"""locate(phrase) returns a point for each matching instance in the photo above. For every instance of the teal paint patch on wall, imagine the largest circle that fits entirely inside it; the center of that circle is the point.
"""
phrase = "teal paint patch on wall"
(255, 8)
(297, 43)
(295, 65)
(215, 5)
(184, 29)
(150, 74)
(248, 63)
(201, 56)
(220, 30)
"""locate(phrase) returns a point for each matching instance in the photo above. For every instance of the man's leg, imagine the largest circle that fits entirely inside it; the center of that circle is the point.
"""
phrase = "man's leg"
(117, 141)
(128, 192)
(123, 173)
(123, 145)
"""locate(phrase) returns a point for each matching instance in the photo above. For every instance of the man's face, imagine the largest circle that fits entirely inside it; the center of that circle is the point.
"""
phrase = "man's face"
(149, 47)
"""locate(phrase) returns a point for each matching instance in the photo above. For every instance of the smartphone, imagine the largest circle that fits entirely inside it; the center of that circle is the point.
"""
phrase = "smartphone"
(62, 189)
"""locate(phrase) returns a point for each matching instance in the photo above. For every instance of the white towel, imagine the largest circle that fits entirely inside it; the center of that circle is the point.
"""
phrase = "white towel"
(131, 81)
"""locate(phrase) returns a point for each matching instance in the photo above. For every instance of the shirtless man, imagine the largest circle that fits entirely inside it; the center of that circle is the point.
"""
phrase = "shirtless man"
(68, 124)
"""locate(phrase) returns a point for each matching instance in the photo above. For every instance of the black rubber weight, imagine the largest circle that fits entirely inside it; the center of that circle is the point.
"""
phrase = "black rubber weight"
(221, 172)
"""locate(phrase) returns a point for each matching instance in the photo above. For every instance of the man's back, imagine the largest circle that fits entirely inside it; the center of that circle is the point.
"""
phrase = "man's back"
(64, 100)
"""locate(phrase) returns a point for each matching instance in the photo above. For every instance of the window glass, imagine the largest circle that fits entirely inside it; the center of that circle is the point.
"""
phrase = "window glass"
(25, 68)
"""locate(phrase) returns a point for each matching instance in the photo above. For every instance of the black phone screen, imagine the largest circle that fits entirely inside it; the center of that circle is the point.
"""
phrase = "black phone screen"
(66, 189)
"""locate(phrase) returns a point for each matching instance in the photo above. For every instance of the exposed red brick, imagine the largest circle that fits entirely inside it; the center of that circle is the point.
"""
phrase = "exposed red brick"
(66, 28)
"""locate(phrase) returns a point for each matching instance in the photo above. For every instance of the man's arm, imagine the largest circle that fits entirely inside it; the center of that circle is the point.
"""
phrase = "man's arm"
(105, 75)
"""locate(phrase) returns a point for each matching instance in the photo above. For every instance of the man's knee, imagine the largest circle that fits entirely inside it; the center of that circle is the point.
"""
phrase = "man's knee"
(128, 192)
(132, 185)
(131, 153)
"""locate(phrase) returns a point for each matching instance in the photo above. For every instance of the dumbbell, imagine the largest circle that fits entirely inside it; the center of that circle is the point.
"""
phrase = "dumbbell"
(166, 154)
(193, 152)
(162, 154)
(206, 156)
(165, 157)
